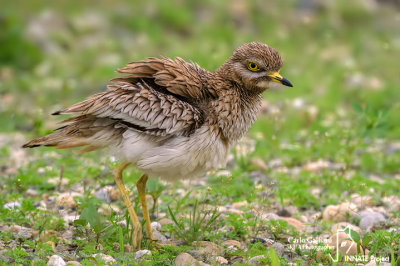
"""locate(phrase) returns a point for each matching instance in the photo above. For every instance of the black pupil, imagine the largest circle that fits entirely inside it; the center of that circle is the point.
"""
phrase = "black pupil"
(252, 65)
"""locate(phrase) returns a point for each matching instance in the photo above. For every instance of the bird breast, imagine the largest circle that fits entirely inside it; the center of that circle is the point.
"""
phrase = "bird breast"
(234, 114)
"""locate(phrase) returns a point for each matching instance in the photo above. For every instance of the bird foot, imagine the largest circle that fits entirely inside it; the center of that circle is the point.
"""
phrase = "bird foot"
(137, 238)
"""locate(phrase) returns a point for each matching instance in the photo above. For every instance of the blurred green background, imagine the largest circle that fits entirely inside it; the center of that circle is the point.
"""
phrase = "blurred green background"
(336, 53)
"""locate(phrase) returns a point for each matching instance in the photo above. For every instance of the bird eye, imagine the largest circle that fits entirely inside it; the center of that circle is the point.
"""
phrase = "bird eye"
(253, 66)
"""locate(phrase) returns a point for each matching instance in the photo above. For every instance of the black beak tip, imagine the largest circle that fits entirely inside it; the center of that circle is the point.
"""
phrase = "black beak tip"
(286, 82)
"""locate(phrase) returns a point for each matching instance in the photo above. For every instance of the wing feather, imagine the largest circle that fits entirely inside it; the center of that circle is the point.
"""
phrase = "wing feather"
(178, 77)
(150, 110)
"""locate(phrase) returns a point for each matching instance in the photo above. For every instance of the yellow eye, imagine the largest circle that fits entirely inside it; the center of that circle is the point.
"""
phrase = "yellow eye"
(253, 66)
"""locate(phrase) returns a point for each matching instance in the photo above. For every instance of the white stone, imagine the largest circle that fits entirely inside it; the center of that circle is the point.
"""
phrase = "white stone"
(56, 260)
(156, 226)
(369, 219)
(12, 205)
(56, 181)
(31, 192)
(160, 237)
(106, 258)
(70, 218)
(269, 216)
(67, 199)
(102, 194)
(139, 254)
(255, 260)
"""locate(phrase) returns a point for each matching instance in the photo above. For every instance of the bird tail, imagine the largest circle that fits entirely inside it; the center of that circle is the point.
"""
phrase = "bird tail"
(92, 132)
(57, 139)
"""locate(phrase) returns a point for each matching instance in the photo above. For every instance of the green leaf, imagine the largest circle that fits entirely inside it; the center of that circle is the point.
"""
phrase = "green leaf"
(91, 215)
(275, 261)
(121, 241)
(366, 240)
(81, 222)
(352, 234)
(357, 107)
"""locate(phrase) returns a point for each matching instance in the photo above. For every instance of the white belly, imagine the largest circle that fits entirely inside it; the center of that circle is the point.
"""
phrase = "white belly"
(177, 157)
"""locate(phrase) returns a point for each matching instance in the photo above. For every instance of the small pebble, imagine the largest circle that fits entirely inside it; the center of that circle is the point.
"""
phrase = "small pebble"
(12, 205)
(31, 192)
(160, 237)
(268, 242)
(56, 260)
(56, 181)
(256, 260)
(70, 218)
(23, 232)
(221, 260)
(114, 193)
(279, 248)
(370, 219)
(104, 257)
(207, 248)
(361, 201)
(67, 199)
(269, 216)
(139, 254)
(184, 259)
(295, 223)
(102, 194)
(156, 226)
(392, 202)
(194, 253)
(237, 260)
(68, 235)
(232, 243)
(338, 213)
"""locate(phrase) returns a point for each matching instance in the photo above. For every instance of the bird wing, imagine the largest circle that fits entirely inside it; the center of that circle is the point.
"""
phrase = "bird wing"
(140, 107)
(159, 97)
(187, 80)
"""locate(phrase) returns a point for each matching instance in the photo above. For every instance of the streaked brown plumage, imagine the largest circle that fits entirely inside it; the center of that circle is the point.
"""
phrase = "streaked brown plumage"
(169, 118)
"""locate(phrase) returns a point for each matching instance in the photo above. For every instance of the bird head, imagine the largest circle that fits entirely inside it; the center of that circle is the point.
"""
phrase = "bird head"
(254, 66)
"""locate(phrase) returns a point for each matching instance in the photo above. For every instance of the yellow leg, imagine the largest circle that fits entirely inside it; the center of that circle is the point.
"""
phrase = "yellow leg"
(141, 187)
(137, 228)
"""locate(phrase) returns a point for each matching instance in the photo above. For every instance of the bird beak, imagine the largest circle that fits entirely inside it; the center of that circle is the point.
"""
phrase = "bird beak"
(279, 79)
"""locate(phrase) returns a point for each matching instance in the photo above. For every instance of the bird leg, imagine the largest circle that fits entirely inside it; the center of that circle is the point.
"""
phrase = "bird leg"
(137, 228)
(141, 187)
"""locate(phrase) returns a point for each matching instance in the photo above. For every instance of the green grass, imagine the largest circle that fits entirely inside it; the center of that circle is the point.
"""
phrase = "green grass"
(343, 109)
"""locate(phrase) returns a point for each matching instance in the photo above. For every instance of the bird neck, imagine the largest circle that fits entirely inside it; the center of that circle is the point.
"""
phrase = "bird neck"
(234, 110)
